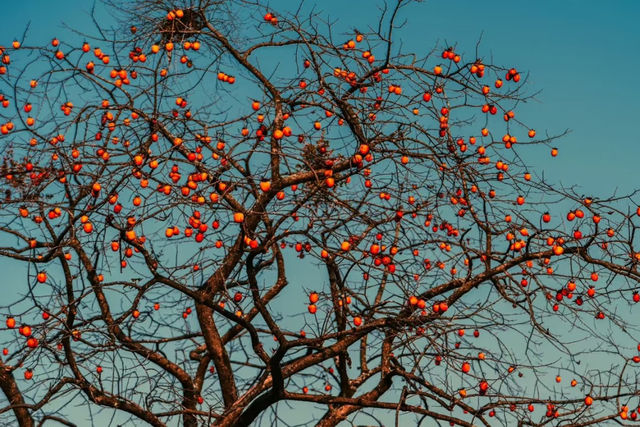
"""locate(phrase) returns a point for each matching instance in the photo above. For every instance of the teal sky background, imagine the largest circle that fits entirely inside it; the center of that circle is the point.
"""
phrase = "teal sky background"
(581, 54)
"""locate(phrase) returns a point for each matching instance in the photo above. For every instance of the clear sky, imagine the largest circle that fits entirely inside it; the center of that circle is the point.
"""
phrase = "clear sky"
(581, 54)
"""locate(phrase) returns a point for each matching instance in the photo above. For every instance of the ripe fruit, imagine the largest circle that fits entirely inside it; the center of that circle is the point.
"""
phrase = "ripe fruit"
(265, 185)
(238, 217)
(314, 297)
(466, 367)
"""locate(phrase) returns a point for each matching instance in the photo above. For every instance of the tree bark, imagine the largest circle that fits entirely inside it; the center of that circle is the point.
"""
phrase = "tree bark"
(14, 396)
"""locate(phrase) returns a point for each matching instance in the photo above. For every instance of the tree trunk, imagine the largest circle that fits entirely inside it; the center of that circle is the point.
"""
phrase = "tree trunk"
(14, 396)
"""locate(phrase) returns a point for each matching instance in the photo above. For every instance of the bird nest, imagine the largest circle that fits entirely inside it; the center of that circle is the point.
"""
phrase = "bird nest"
(181, 28)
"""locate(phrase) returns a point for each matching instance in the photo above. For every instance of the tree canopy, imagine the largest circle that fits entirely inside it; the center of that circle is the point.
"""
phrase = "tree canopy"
(227, 214)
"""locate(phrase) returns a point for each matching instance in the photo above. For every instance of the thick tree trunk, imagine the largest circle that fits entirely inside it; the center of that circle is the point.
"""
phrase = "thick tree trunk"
(218, 354)
(14, 396)
(335, 415)
(189, 403)
(241, 415)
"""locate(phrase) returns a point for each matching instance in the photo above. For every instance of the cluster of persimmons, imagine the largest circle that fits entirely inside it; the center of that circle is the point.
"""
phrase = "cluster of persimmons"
(361, 163)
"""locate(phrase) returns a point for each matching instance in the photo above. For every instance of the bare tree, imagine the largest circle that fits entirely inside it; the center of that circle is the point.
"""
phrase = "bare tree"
(226, 214)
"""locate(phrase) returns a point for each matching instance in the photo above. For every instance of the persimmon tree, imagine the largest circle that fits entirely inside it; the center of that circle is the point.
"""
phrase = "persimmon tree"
(225, 214)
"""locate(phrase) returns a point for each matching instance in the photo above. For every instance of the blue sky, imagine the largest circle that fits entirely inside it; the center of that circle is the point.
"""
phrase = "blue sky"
(581, 55)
